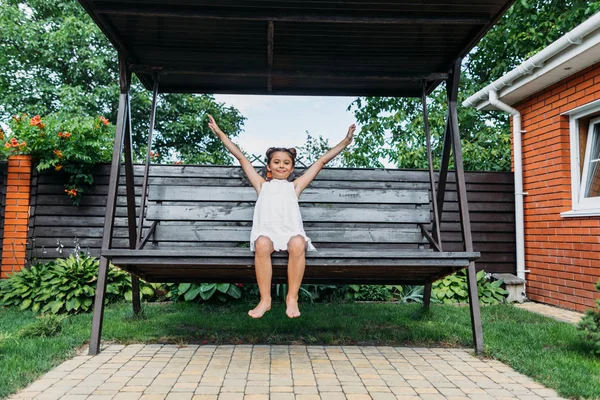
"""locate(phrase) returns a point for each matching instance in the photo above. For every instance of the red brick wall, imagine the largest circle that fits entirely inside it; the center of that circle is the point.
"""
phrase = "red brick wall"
(16, 215)
(563, 254)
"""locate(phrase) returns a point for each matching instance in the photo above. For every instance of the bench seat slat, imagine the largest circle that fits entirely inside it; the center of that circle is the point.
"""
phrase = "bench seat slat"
(309, 214)
(346, 254)
(310, 195)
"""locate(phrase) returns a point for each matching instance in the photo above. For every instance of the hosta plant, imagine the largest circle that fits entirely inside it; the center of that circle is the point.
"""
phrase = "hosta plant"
(454, 289)
(205, 291)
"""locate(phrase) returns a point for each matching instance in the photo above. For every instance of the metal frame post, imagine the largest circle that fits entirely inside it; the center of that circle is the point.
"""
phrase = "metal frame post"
(461, 189)
(111, 204)
(139, 241)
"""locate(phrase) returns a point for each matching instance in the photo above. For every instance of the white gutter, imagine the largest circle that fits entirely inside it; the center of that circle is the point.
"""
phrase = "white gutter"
(518, 165)
(537, 61)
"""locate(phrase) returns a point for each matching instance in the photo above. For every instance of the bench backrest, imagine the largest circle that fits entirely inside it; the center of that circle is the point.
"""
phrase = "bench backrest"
(213, 206)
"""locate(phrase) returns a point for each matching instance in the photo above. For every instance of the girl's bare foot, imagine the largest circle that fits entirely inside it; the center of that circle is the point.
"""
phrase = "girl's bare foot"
(292, 309)
(260, 309)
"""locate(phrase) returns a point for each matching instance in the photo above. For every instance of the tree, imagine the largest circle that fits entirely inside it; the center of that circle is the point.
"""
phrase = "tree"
(53, 58)
(392, 128)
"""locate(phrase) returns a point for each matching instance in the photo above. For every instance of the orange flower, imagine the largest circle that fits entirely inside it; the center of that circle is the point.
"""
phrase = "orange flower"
(178, 162)
(153, 154)
(7, 145)
(67, 135)
(58, 153)
(60, 134)
(35, 120)
(23, 144)
(13, 141)
(71, 192)
(58, 167)
(103, 120)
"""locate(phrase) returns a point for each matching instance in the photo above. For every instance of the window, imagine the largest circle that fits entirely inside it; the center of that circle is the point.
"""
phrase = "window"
(590, 182)
(585, 160)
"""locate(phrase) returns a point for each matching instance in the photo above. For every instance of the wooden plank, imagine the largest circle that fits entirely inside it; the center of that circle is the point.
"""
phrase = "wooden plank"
(310, 195)
(176, 233)
(245, 213)
(329, 253)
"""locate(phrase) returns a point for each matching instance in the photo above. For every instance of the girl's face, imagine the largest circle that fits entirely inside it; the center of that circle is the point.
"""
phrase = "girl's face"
(281, 165)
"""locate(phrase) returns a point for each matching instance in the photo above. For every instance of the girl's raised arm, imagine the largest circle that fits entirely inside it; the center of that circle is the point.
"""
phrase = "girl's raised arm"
(255, 179)
(302, 182)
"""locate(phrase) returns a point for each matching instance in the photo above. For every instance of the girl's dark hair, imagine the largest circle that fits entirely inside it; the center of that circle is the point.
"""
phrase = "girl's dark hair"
(291, 151)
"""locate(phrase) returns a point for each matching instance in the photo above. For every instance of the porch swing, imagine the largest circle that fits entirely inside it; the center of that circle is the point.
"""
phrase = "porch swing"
(370, 226)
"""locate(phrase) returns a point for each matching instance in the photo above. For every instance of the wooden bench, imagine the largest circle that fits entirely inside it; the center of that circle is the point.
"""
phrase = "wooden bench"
(369, 226)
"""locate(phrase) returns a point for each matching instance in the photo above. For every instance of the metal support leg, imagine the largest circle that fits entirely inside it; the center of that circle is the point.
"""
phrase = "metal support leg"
(427, 295)
(111, 204)
(461, 190)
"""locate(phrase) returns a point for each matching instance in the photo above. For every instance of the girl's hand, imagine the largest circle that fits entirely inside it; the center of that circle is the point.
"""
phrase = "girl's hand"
(350, 134)
(212, 125)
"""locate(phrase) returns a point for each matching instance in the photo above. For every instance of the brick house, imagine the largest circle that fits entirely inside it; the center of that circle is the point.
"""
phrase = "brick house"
(554, 102)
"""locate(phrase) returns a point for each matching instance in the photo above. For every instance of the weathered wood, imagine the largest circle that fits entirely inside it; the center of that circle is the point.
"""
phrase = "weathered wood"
(329, 253)
(310, 195)
(176, 233)
(245, 212)
(452, 87)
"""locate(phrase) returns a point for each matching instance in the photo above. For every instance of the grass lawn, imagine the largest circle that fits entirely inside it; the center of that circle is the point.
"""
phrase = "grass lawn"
(549, 351)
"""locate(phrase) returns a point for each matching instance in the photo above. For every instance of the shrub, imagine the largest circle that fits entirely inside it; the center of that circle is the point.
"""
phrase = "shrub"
(61, 143)
(205, 291)
(372, 292)
(454, 289)
(64, 285)
(590, 324)
(45, 326)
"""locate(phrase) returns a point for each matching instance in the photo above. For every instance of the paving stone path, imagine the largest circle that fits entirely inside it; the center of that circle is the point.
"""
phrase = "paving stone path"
(156, 372)
(559, 314)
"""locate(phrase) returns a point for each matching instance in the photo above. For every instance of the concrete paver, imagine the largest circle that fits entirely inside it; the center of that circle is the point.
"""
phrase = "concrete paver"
(559, 314)
(165, 372)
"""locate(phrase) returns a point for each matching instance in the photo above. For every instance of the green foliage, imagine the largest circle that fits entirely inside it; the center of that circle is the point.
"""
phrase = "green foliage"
(392, 128)
(590, 324)
(373, 292)
(454, 289)
(62, 286)
(54, 58)
(45, 326)
(23, 288)
(59, 142)
(206, 291)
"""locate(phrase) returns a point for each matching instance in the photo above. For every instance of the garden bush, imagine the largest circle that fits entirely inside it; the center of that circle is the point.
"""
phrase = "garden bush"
(590, 324)
(454, 289)
(65, 144)
(65, 285)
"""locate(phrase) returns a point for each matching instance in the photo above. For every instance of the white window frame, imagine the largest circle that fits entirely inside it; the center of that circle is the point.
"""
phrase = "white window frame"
(581, 206)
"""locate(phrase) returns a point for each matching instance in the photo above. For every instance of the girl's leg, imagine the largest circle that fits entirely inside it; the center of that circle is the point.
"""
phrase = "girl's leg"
(296, 265)
(264, 271)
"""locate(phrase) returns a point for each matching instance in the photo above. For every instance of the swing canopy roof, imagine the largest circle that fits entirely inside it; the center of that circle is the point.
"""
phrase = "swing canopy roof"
(295, 47)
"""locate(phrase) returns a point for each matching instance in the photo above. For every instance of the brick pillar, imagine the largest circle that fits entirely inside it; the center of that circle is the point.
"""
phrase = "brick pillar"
(16, 215)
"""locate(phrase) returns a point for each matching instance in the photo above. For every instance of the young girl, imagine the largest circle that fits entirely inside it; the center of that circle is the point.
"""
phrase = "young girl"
(277, 223)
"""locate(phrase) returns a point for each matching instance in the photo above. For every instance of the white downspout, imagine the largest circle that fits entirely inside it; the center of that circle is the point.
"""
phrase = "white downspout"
(518, 165)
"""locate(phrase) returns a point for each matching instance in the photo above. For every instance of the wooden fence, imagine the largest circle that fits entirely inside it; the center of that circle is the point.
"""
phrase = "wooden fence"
(56, 225)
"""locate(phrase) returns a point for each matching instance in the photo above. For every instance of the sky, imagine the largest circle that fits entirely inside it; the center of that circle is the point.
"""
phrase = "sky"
(282, 121)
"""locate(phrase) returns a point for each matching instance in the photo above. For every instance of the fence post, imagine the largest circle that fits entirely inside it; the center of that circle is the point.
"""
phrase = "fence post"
(16, 215)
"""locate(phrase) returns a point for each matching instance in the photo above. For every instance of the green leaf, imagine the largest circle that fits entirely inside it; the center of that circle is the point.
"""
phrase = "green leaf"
(25, 304)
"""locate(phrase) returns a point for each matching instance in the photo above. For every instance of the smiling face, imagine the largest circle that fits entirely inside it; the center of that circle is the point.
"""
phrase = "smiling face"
(281, 165)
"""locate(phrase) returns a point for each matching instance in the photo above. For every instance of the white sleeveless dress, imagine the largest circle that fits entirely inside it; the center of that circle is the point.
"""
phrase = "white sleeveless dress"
(277, 215)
